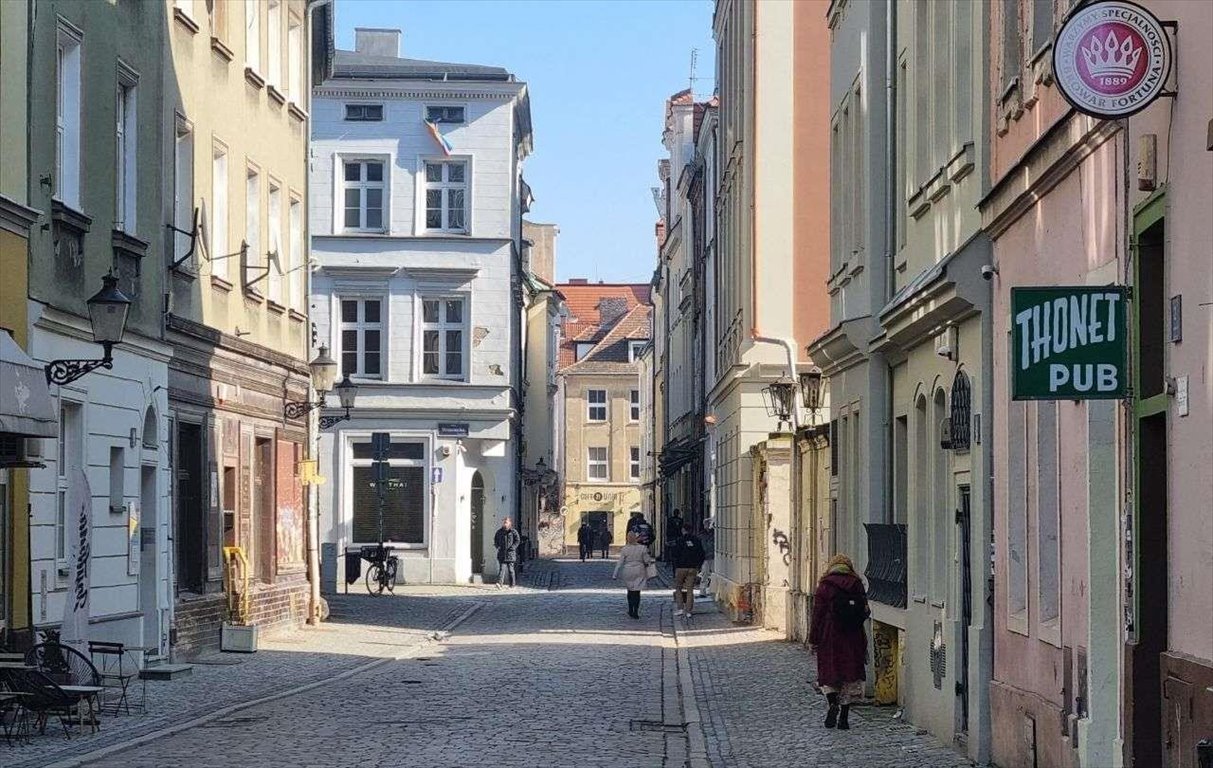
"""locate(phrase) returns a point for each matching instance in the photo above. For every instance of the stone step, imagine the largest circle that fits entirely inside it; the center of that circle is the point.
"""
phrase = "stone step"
(166, 671)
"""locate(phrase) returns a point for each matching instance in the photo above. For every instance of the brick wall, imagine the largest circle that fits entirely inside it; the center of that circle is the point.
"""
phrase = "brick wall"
(274, 607)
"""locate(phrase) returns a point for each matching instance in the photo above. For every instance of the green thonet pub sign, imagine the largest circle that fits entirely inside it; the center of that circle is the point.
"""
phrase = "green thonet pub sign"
(1069, 343)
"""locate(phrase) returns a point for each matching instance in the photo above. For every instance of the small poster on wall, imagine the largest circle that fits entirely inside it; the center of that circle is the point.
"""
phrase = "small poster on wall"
(133, 555)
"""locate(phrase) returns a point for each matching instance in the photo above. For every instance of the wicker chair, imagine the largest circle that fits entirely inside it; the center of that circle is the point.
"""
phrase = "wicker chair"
(43, 698)
(69, 669)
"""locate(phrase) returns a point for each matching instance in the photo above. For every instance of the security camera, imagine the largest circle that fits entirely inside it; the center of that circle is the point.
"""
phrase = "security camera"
(988, 271)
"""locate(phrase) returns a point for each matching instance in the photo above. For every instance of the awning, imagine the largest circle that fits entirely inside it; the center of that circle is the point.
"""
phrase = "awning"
(25, 398)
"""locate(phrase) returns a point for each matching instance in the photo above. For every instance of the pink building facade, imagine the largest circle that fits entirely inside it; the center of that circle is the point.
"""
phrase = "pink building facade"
(1103, 534)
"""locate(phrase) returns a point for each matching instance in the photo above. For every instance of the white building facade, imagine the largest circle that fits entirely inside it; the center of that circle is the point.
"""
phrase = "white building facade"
(417, 208)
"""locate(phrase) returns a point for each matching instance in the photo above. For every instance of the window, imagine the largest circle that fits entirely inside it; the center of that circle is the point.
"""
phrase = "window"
(217, 9)
(444, 114)
(635, 347)
(596, 464)
(445, 196)
(406, 490)
(583, 348)
(252, 221)
(442, 338)
(183, 189)
(274, 42)
(125, 144)
(1048, 518)
(596, 400)
(298, 259)
(635, 413)
(218, 232)
(70, 460)
(364, 192)
(117, 479)
(294, 60)
(634, 463)
(67, 118)
(252, 35)
(1017, 515)
(1010, 42)
(275, 243)
(362, 337)
(942, 508)
(1042, 24)
(363, 113)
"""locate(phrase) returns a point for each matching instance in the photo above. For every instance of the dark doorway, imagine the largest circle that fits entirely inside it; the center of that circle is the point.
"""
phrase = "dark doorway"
(599, 523)
(263, 509)
(477, 523)
(191, 516)
(964, 519)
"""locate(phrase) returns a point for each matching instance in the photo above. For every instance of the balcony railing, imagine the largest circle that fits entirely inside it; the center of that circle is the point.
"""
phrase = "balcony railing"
(886, 571)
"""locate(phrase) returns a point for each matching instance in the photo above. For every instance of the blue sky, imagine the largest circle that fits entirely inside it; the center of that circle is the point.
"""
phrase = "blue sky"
(599, 72)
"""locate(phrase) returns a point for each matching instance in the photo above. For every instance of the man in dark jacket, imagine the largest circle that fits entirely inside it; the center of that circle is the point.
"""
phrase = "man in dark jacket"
(585, 540)
(687, 556)
(506, 540)
(642, 529)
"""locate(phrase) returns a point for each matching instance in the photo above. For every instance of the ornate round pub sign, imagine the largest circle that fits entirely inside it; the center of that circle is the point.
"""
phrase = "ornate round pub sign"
(1111, 59)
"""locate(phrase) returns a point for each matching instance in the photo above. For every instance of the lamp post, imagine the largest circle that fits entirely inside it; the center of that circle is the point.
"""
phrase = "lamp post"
(107, 313)
(324, 370)
(780, 400)
(810, 389)
(346, 392)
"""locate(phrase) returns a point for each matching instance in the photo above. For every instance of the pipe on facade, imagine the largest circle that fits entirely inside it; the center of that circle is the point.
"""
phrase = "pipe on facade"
(890, 234)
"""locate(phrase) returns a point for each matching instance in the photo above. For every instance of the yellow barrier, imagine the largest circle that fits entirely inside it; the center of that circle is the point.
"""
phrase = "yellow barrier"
(239, 602)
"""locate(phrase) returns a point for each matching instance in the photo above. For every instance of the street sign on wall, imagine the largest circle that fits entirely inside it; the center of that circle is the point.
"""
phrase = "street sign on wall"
(1069, 343)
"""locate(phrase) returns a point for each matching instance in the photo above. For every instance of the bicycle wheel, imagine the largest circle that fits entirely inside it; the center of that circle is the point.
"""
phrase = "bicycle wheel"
(374, 582)
(389, 580)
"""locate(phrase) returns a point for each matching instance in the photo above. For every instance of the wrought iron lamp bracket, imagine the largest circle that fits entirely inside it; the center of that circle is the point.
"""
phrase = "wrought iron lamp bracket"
(66, 371)
(296, 409)
(328, 421)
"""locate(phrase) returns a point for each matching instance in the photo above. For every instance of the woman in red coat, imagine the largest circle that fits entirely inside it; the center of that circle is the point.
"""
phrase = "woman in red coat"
(837, 636)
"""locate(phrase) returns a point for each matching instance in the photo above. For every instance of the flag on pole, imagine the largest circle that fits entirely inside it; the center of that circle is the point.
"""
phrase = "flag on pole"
(76, 605)
(438, 137)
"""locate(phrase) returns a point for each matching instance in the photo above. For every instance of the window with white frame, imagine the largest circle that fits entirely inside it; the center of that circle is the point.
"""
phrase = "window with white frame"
(635, 347)
(635, 402)
(362, 337)
(252, 35)
(596, 466)
(183, 188)
(405, 492)
(295, 265)
(446, 196)
(596, 404)
(449, 115)
(634, 462)
(294, 60)
(364, 113)
(363, 192)
(444, 338)
(70, 460)
(218, 246)
(275, 243)
(274, 43)
(67, 117)
(583, 349)
(125, 145)
(252, 222)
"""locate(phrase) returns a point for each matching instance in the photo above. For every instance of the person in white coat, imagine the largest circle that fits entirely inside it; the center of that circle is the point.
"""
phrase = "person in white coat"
(634, 562)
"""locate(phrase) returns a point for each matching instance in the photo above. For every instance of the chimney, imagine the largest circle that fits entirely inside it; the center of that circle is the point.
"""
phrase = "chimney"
(578, 281)
(377, 42)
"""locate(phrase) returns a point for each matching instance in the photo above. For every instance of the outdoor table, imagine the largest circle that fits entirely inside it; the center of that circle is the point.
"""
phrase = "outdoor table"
(85, 693)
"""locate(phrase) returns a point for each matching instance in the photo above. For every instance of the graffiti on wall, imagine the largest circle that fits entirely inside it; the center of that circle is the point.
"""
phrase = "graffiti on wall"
(290, 535)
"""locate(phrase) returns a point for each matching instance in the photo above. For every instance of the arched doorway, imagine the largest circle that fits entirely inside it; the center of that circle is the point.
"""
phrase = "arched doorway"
(477, 523)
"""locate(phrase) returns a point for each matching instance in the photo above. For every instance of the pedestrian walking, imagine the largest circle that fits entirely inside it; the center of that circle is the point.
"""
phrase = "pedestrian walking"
(838, 638)
(708, 538)
(686, 556)
(641, 527)
(673, 530)
(604, 540)
(585, 538)
(634, 563)
(507, 540)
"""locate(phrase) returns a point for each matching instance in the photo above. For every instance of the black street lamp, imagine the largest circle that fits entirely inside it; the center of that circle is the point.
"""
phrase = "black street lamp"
(107, 312)
(810, 389)
(780, 398)
(346, 392)
(324, 371)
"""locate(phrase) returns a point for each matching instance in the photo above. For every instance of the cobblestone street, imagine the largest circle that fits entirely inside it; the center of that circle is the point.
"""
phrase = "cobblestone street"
(550, 674)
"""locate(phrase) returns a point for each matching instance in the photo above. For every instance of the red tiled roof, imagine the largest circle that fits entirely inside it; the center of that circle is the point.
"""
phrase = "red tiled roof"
(585, 323)
(610, 354)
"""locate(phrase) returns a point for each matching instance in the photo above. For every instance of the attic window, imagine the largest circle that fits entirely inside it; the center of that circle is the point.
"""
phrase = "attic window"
(445, 115)
(583, 349)
(635, 347)
(364, 113)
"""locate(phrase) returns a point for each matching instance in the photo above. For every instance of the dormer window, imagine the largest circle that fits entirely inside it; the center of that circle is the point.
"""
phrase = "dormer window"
(583, 349)
(448, 115)
(364, 113)
(635, 347)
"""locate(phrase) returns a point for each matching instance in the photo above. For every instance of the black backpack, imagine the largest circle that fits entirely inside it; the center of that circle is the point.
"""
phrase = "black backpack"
(850, 609)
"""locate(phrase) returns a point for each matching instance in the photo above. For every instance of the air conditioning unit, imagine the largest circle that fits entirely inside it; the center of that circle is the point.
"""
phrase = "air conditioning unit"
(15, 452)
(946, 342)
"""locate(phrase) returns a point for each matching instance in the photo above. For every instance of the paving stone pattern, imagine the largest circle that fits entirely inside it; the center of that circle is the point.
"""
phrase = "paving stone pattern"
(552, 674)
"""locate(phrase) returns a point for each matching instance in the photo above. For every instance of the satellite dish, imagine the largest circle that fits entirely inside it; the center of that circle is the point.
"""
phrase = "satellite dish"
(204, 228)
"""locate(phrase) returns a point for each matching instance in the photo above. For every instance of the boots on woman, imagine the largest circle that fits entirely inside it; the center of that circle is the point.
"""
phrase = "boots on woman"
(843, 721)
(832, 715)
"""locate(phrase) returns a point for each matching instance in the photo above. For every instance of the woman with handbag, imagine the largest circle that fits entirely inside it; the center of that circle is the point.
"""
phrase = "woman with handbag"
(638, 567)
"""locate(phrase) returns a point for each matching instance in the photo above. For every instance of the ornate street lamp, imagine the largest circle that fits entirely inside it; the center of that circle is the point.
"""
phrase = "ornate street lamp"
(810, 389)
(780, 398)
(346, 392)
(107, 312)
(324, 370)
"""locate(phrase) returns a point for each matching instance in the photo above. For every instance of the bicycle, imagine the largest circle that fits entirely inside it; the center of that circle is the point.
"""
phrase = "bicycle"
(383, 571)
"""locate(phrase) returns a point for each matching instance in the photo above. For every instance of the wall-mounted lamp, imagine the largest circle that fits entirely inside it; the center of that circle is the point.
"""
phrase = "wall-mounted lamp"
(779, 398)
(107, 312)
(324, 371)
(810, 389)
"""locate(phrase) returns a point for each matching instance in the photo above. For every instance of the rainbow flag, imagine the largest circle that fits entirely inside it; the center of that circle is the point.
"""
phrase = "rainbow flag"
(438, 137)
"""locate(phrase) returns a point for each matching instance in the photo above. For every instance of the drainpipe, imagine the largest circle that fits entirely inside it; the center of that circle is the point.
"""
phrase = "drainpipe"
(890, 228)
(313, 498)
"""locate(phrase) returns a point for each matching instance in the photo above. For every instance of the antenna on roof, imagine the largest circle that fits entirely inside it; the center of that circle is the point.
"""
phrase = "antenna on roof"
(694, 61)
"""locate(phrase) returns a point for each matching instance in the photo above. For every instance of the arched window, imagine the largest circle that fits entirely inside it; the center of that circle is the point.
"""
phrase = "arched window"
(962, 412)
(151, 432)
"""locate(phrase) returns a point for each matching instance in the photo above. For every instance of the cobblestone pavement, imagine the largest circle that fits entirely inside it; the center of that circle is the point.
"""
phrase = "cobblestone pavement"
(552, 674)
